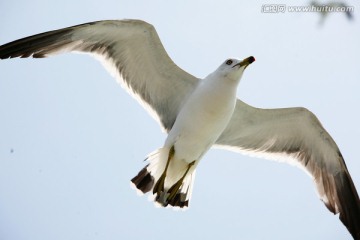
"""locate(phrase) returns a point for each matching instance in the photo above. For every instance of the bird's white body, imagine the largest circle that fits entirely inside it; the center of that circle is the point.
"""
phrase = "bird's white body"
(201, 120)
(203, 117)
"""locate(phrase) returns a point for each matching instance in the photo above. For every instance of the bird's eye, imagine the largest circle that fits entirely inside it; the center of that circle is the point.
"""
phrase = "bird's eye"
(229, 62)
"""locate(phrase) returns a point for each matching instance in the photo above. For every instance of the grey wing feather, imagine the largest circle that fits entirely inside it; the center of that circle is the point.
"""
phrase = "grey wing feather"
(296, 136)
(130, 49)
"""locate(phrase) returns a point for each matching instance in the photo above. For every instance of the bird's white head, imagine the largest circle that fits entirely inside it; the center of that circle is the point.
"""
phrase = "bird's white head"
(233, 68)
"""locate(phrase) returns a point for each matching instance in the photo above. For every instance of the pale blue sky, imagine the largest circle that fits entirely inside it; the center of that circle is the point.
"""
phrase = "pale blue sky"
(71, 139)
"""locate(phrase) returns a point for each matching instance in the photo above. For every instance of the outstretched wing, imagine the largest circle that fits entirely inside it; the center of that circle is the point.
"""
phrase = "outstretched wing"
(130, 49)
(295, 135)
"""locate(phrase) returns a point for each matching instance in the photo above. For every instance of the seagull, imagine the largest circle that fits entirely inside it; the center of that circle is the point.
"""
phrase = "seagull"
(331, 7)
(199, 114)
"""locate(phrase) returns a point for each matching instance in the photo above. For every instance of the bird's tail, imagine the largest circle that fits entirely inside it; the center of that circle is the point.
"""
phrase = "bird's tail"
(147, 178)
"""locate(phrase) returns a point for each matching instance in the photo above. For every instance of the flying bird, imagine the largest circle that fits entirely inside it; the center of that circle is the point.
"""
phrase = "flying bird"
(332, 7)
(198, 114)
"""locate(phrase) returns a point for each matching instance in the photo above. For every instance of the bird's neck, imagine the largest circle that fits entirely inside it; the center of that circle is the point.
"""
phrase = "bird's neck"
(217, 90)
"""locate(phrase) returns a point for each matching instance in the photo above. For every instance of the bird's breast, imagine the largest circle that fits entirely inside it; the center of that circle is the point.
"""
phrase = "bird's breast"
(201, 121)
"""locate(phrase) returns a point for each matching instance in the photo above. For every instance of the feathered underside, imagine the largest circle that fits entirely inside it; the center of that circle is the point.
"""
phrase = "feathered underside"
(131, 50)
(296, 136)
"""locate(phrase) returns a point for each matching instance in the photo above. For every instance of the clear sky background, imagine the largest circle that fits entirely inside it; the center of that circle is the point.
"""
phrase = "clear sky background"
(71, 139)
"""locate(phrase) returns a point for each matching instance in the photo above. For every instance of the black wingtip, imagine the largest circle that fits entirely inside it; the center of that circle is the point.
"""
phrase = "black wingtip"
(143, 181)
(36, 45)
(350, 204)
